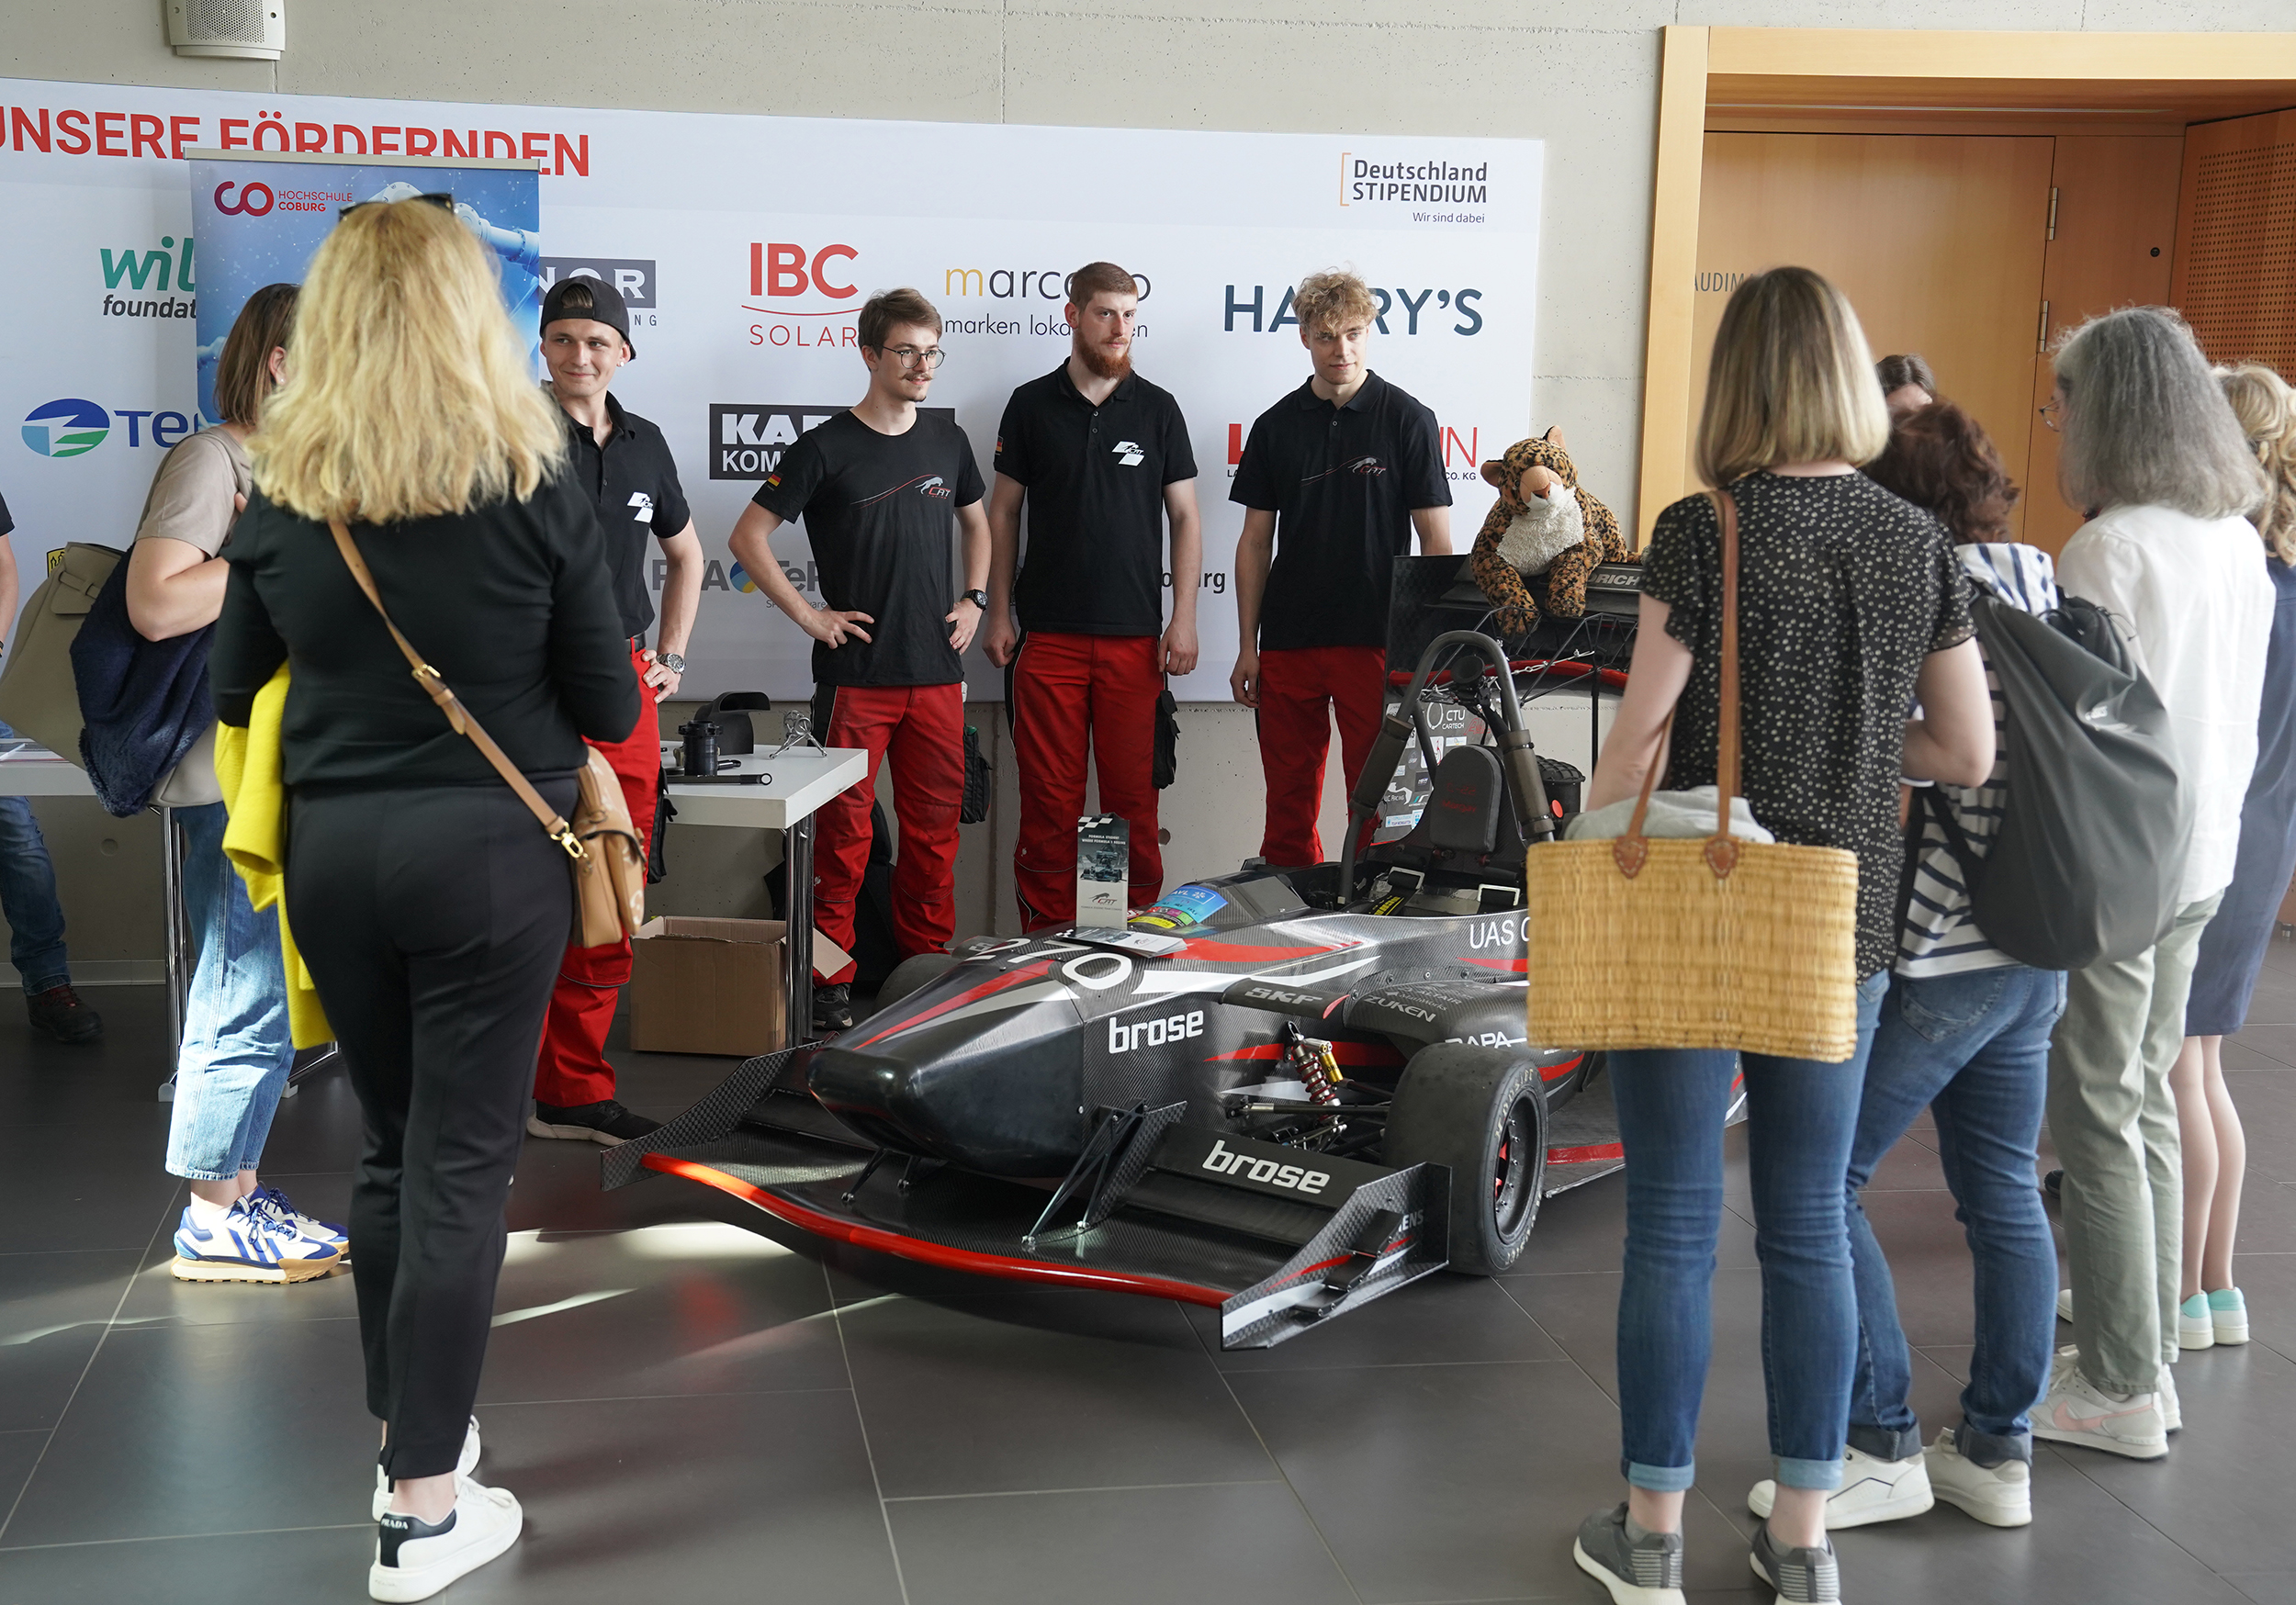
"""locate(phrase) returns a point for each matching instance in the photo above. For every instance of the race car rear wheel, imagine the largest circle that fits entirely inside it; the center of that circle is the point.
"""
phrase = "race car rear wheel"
(917, 971)
(1480, 1112)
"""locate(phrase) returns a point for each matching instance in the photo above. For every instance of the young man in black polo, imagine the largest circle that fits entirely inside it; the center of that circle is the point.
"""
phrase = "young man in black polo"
(1101, 459)
(624, 463)
(877, 486)
(1334, 479)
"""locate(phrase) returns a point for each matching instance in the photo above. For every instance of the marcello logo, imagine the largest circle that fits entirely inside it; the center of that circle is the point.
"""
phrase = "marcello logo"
(254, 200)
(66, 428)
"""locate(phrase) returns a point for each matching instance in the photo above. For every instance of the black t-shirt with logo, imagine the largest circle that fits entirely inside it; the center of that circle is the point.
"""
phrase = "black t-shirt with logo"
(633, 483)
(878, 508)
(1096, 478)
(1341, 482)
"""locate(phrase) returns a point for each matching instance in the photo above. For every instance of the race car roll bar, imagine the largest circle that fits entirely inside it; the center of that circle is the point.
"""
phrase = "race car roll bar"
(1518, 759)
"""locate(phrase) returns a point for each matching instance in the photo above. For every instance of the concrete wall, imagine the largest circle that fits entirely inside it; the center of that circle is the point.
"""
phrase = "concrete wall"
(1580, 74)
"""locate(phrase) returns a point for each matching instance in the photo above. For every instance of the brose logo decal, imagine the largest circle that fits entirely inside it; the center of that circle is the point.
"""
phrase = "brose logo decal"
(1124, 1038)
(1298, 1178)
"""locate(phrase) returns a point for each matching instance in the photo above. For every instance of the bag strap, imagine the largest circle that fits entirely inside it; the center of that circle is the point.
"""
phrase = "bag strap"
(553, 823)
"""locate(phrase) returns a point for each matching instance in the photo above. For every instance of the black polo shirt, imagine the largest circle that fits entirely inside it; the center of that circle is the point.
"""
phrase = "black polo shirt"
(6, 524)
(633, 483)
(1095, 477)
(878, 510)
(1341, 482)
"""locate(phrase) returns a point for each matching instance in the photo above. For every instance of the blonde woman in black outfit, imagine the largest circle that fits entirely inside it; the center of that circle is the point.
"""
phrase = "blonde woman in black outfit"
(1850, 603)
(429, 905)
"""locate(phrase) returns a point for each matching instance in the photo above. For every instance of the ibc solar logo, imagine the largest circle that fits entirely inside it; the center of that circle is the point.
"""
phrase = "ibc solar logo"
(66, 428)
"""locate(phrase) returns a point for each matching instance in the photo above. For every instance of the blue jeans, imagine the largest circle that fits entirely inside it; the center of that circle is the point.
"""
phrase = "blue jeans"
(1800, 1117)
(236, 1052)
(27, 896)
(1974, 1049)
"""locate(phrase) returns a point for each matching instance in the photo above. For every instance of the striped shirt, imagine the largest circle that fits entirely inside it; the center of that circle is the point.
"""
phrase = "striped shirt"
(1939, 938)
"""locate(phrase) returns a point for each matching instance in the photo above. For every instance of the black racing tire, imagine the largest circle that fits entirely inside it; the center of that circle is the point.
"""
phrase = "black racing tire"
(917, 971)
(1480, 1112)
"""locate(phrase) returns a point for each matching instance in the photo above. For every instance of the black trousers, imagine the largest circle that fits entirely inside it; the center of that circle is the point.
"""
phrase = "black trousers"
(432, 919)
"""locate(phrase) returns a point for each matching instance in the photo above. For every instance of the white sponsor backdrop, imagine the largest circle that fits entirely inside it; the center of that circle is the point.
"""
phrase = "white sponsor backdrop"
(749, 243)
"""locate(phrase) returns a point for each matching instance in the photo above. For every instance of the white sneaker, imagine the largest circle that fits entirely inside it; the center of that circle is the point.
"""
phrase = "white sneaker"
(414, 1559)
(2196, 1324)
(465, 1464)
(2171, 1406)
(2076, 1412)
(1998, 1496)
(1872, 1490)
(2065, 1304)
(2229, 1312)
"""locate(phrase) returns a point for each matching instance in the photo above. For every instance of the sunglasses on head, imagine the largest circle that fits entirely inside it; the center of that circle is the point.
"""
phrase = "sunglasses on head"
(437, 197)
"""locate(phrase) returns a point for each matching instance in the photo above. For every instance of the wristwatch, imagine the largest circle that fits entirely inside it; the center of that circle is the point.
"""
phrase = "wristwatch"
(979, 599)
(670, 661)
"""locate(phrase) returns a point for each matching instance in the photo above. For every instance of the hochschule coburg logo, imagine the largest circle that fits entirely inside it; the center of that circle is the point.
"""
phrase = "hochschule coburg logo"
(66, 428)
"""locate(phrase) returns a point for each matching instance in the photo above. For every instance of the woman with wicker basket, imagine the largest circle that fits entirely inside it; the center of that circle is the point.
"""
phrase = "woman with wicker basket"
(1789, 621)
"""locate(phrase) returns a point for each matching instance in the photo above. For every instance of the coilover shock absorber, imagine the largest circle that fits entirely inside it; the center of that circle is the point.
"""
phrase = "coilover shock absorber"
(1311, 1060)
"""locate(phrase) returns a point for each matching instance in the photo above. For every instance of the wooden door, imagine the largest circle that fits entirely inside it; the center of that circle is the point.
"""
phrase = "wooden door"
(1938, 242)
(2236, 278)
(2116, 223)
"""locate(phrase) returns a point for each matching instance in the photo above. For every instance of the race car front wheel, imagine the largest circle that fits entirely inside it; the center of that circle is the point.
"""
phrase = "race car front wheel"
(1479, 1111)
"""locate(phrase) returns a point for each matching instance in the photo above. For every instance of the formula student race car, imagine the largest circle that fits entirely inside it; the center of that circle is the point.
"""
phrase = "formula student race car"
(1282, 1093)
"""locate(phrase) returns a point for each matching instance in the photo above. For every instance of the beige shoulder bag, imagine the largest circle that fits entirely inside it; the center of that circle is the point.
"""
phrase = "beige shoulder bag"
(609, 860)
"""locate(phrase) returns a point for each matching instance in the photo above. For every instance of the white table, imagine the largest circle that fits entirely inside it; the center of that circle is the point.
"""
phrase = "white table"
(803, 780)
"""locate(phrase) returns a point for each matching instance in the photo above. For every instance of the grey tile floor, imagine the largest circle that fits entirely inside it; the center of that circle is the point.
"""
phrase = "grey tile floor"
(691, 1410)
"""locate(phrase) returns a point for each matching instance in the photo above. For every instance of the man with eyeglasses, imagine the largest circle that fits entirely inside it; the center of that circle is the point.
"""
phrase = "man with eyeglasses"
(876, 486)
(1100, 458)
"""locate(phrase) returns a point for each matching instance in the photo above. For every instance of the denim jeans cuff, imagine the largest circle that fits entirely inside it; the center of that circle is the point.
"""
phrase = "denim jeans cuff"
(1808, 1474)
(1659, 1479)
(1989, 1450)
(1886, 1443)
(38, 983)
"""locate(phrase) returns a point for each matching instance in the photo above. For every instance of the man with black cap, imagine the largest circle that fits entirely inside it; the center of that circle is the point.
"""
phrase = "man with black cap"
(624, 463)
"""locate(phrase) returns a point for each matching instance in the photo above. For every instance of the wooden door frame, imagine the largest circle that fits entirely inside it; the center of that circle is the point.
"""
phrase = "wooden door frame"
(1903, 75)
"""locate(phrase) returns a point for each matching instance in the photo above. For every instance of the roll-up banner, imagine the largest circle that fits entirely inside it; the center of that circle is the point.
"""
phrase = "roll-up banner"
(261, 217)
(744, 247)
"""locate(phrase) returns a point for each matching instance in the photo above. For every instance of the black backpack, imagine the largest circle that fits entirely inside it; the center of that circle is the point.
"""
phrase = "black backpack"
(2089, 860)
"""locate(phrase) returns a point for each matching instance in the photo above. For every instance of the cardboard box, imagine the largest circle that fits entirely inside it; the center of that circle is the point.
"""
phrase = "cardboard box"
(707, 986)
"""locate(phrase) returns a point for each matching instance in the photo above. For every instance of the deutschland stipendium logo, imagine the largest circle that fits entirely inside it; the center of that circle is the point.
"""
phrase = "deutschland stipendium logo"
(66, 428)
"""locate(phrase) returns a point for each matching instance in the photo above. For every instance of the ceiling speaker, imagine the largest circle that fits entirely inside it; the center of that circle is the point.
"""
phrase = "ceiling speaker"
(251, 29)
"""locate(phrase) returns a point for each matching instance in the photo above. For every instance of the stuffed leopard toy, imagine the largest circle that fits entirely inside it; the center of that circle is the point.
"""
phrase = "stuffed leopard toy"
(1537, 531)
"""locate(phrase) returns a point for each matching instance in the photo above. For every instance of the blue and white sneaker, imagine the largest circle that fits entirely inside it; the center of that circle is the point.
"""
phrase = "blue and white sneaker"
(248, 1245)
(275, 1203)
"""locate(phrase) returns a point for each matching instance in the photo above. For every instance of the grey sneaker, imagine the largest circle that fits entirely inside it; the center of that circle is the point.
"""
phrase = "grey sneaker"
(1647, 1572)
(1800, 1577)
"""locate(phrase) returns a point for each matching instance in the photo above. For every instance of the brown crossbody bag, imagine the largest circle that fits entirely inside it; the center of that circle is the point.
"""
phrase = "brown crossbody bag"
(600, 843)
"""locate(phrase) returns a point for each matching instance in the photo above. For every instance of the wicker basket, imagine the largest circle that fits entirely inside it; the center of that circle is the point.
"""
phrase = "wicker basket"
(1712, 943)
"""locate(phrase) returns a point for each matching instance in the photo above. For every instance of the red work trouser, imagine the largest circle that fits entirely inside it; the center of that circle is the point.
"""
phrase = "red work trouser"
(1066, 691)
(572, 1069)
(921, 729)
(1296, 687)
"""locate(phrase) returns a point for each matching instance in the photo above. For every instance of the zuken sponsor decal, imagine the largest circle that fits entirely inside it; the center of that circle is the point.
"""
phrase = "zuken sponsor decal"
(634, 277)
(72, 427)
(1399, 310)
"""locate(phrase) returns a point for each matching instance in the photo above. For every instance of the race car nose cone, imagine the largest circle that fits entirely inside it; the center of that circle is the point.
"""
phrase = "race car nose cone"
(1009, 1113)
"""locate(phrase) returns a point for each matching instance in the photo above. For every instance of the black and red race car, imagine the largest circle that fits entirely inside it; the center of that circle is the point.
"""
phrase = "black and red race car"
(1282, 1093)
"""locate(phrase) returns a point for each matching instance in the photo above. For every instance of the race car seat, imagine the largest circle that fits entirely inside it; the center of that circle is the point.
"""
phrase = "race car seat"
(1467, 836)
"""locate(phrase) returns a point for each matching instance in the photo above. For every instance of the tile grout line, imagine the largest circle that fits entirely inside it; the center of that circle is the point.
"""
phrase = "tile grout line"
(1125, 1487)
(1314, 1526)
(861, 1419)
(179, 1537)
(127, 1286)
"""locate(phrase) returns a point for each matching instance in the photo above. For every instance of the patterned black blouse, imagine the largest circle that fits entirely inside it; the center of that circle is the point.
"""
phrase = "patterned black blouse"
(1842, 591)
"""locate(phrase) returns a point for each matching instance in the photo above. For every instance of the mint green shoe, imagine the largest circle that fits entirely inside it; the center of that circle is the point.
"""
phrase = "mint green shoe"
(2196, 1328)
(2228, 1313)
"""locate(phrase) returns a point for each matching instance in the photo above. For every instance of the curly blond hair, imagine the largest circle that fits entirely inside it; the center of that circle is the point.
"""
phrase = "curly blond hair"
(408, 393)
(1334, 296)
(2266, 406)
